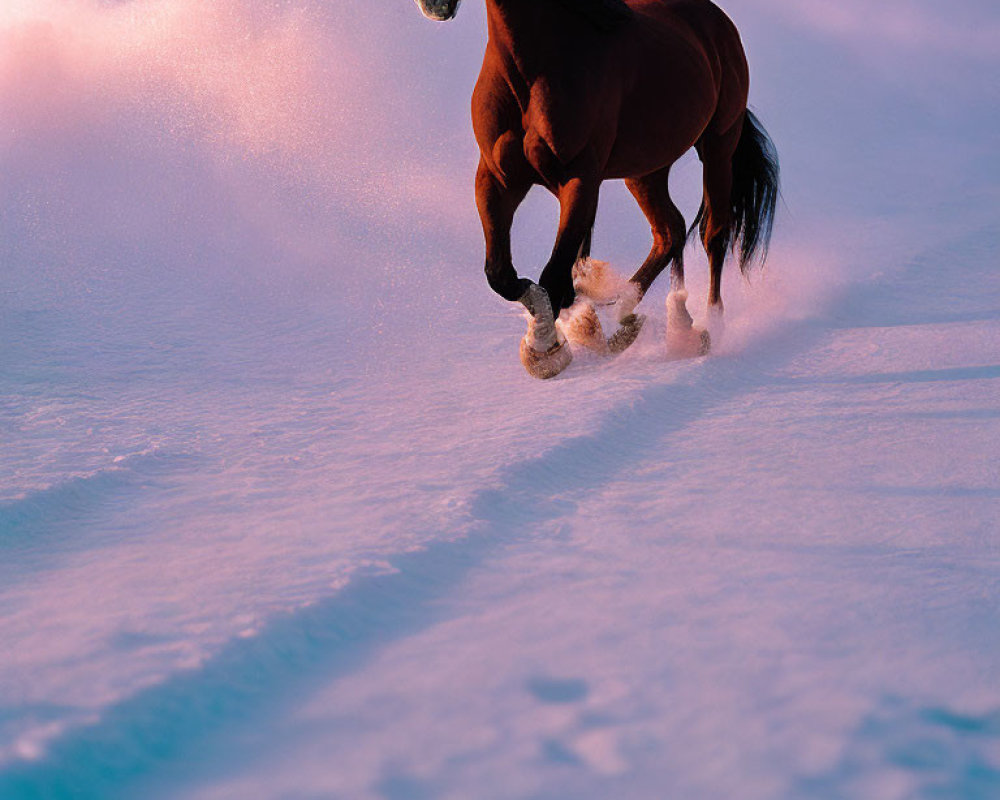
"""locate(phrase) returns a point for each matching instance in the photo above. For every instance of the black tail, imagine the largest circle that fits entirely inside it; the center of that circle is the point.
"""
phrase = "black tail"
(755, 195)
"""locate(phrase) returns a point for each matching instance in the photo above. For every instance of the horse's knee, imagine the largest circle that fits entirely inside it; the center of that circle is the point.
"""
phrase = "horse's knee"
(504, 281)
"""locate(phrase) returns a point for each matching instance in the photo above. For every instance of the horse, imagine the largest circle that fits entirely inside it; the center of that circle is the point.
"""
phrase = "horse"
(575, 92)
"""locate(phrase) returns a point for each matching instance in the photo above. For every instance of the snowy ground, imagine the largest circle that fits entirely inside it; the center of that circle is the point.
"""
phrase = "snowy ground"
(282, 517)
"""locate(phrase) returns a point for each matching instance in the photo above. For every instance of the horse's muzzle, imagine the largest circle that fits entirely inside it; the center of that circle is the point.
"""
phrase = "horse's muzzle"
(439, 10)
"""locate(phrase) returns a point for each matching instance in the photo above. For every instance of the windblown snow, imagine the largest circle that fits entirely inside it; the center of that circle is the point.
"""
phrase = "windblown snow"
(281, 516)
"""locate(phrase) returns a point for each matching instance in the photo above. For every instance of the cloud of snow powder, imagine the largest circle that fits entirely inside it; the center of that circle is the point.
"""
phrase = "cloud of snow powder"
(250, 125)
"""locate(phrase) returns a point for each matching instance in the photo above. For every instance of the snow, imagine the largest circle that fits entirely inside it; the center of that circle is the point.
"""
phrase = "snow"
(282, 517)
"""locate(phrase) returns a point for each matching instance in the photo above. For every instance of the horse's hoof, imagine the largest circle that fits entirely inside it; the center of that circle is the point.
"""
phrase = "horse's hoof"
(548, 364)
(582, 327)
(626, 335)
(690, 342)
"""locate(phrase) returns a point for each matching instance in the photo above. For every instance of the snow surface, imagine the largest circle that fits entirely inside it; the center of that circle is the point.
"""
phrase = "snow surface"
(282, 517)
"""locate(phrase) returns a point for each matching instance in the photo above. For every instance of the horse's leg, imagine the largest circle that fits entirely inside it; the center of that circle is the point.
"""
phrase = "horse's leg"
(578, 210)
(716, 152)
(666, 223)
(580, 323)
(497, 204)
(541, 351)
(669, 235)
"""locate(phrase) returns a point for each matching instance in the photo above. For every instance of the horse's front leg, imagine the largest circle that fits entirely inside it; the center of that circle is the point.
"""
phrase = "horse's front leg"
(577, 212)
(542, 354)
(497, 204)
(544, 351)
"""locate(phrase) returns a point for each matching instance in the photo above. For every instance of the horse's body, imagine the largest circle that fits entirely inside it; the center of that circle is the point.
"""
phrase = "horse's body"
(575, 92)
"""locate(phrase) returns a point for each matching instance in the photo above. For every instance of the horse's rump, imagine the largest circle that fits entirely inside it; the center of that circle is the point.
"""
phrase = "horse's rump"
(701, 31)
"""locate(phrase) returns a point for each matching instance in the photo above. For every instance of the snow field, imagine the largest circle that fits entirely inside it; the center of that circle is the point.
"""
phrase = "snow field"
(281, 516)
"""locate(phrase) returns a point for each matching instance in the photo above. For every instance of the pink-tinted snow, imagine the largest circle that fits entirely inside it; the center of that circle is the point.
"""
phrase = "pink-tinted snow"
(282, 517)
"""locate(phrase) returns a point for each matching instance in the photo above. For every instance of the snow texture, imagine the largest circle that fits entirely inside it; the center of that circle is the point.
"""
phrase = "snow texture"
(281, 516)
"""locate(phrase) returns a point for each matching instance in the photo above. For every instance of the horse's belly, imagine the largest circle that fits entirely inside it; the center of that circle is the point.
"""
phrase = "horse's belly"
(634, 156)
(653, 134)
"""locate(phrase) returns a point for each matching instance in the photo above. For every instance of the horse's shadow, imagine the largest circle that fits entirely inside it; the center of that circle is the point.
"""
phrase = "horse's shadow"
(134, 744)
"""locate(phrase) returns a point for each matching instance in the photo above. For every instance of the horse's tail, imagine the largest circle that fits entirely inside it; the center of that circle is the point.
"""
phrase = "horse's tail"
(755, 193)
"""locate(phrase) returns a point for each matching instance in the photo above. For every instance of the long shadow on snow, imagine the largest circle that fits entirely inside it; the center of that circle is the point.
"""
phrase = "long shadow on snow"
(247, 678)
(334, 637)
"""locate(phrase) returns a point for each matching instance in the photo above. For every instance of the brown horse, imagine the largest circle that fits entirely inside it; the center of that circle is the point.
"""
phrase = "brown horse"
(575, 92)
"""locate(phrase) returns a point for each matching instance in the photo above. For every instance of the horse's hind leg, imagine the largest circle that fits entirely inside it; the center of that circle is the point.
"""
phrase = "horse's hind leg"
(669, 235)
(716, 152)
(666, 223)
(578, 209)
